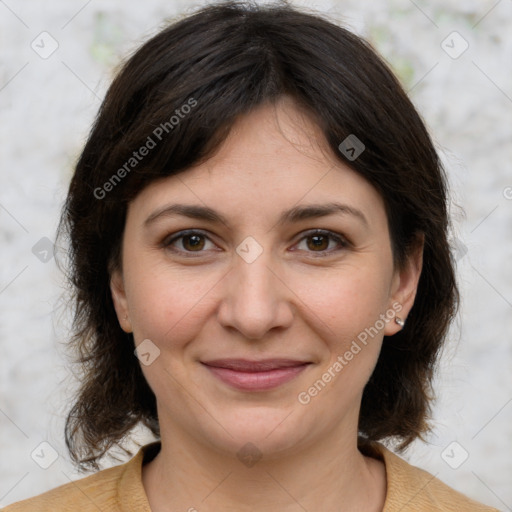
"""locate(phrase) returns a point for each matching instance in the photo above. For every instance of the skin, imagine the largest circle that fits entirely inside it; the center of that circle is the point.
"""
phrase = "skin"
(301, 298)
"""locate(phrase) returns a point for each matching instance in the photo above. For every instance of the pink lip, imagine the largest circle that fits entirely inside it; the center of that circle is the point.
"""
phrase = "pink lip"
(255, 375)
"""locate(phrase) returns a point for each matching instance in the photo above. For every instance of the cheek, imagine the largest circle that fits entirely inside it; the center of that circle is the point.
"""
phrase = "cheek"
(166, 304)
(346, 300)
(345, 312)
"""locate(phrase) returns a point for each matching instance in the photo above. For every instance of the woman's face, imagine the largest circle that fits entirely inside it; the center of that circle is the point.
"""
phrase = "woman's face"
(261, 284)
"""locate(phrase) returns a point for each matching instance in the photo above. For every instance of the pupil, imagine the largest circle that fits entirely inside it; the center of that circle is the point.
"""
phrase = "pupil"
(318, 240)
(194, 241)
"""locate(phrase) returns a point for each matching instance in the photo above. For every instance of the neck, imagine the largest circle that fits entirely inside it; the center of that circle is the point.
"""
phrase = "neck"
(187, 475)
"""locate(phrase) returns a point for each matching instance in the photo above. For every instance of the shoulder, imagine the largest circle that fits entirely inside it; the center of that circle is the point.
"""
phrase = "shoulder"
(95, 492)
(105, 490)
(410, 488)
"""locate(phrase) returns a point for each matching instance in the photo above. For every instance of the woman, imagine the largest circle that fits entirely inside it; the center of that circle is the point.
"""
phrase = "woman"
(259, 212)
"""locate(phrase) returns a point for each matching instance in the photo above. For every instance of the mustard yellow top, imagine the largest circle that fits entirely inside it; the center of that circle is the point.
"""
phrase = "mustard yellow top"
(120, 489)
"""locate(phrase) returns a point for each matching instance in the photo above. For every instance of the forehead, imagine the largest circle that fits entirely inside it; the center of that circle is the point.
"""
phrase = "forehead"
(281, 131)
(274, 157)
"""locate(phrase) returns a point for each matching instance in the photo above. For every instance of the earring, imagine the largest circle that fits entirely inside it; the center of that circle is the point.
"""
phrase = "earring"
(399, 321)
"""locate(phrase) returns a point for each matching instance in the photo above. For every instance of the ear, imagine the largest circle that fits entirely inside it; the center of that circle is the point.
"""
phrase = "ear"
(405, 285)
(119, 298)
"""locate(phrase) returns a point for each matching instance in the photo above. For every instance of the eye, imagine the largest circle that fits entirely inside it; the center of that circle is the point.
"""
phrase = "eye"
(319, 241)
(188, 242)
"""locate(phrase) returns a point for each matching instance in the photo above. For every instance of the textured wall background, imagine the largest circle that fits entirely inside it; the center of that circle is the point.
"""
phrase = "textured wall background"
(462, 87)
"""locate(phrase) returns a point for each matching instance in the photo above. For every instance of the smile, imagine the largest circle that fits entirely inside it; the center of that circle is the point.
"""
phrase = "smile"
(255, 375)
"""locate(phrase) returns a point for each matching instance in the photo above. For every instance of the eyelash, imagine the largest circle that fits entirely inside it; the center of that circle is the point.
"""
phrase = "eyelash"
(342, 241)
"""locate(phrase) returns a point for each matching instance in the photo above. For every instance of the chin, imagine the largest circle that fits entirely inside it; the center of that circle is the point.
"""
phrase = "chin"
(263, 430)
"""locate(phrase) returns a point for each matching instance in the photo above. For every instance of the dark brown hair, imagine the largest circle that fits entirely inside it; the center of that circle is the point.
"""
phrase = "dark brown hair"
(222, 61)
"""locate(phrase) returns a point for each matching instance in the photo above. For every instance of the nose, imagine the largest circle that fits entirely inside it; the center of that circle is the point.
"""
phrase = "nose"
(255, 298)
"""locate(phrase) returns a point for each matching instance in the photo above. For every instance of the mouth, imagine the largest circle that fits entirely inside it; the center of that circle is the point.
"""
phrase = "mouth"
(249, 375)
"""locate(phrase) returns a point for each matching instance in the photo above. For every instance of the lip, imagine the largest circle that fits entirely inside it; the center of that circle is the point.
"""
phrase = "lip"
(261, 375)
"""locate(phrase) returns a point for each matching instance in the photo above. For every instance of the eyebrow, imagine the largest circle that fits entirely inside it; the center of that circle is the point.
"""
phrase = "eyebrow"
(293, 215)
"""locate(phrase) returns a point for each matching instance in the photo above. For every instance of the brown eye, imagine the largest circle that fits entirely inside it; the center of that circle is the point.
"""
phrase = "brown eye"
(318, 242)
(188, 242)
(323, 243)
(192, 242)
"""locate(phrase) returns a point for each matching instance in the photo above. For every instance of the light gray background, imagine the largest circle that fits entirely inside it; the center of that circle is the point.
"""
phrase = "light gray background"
(47, 107)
